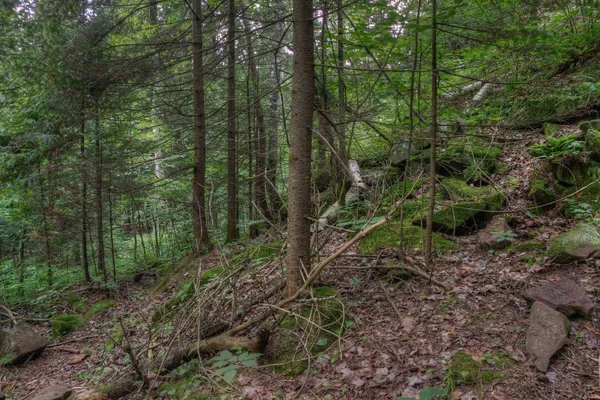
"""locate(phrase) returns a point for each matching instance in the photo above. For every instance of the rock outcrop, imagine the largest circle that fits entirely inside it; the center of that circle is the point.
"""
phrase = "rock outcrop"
(21, 343)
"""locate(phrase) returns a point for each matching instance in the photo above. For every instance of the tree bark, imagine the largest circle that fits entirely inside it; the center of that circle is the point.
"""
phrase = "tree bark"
(300, 157)
(433, 138)
(84, 217)
(201, 238)
(99, 210)
(232, 220)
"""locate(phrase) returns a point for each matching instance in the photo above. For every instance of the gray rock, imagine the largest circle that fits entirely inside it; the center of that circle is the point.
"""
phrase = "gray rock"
(546, 335)
(53, 393)
(21, 343)
(580, 243)
(564, 296)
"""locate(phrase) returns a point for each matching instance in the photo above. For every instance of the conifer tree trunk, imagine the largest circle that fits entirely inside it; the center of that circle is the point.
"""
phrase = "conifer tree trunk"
(433, 139)
(99, 207)
(299, 181)
(273, 145)
(201, 239)
(232, 214)
(252, 229)
(84, 217)
(341, 84)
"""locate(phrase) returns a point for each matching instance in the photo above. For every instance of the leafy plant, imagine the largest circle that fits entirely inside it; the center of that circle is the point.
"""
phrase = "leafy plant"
(556, 147)
(227, 363)
(504, 236)
(579, 211)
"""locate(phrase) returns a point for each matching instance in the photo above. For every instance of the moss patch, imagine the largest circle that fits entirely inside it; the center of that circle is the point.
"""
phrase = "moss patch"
(99, 307)
(465, 369)
(63, 324)
(541, 193)
(413, 237)
(470, 159)
(528, 245)
(76, 303)
(308, 333)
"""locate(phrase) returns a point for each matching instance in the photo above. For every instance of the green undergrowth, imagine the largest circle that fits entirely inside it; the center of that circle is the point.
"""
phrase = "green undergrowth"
(64, 324)
(76, 303)
(464, 370)
(99, 307)
(412, 237)
(251, 256)
(306, 332)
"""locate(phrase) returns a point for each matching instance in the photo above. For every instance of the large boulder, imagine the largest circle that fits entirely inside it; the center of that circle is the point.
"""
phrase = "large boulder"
(547, 334)
(580, 243)
(404, 150)
(21, 343)
(564, 296)
(412, 237)
(53, 393)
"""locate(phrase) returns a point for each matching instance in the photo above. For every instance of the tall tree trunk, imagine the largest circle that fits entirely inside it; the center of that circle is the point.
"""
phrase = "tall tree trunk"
(46, 231)
(84, 216)
(232, 220)
(341, 83)
(158, 154)
(252, 227)
(99, 208)
(261, 153)
(201, 239)
(111, 222)
(299, 182)
(433, 139)
(273, 145)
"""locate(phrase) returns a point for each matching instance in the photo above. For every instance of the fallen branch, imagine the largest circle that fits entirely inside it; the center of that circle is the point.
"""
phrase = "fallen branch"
(8, 313)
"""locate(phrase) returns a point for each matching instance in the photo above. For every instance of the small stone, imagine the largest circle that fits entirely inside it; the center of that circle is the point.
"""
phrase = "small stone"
(53, 393)
(546, 335)
(21, 343)
(486, 238)
(564, 296)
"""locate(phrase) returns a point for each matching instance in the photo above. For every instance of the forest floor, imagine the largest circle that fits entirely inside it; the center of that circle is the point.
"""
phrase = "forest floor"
(403, 333)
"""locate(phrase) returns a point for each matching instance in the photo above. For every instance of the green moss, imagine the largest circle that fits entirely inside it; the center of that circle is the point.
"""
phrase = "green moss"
(106, 388)
(396, 191)
(186, 387)
(550, 130)
(63, 324)
(541, 193)
(490, 376)
(413, 237)
(318, 325)
(528, 245)
(464, 368)
(456, 189)
(574, 245)
(470, 159)
(455, 216)
(99, 307)
(76, 303)
(586, 126)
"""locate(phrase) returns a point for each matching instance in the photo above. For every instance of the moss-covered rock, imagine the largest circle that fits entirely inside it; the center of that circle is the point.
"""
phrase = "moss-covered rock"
(456, 189)
(63, 324)
(309, 331)
(76, 303)
(404, 150)
(540, 192)
(586, 126)
(592, 143)
(471, 159)
(456, 216)
(99, 307)
(412, 237)
(580, 243)
(571, 170)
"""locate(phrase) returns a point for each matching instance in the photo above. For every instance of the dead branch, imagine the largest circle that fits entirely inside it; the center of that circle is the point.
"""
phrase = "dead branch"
(8, 313)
